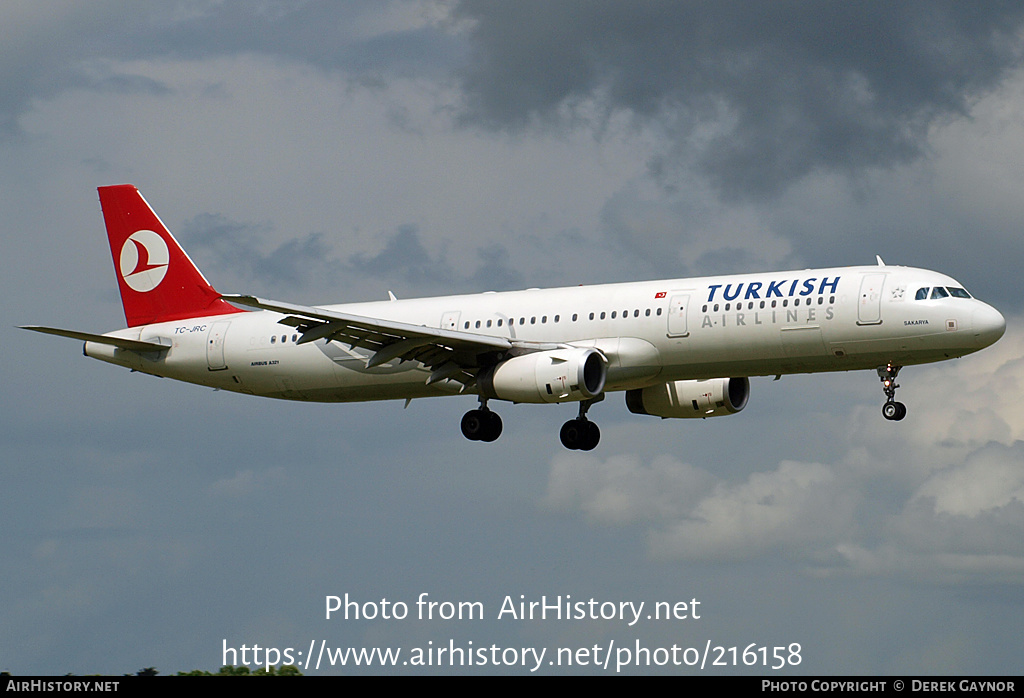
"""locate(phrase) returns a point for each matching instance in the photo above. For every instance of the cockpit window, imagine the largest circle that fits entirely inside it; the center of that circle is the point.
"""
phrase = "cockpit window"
(940, 292)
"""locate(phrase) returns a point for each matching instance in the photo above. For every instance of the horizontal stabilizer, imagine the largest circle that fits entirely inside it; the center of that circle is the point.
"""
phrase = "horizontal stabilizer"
(120, 342)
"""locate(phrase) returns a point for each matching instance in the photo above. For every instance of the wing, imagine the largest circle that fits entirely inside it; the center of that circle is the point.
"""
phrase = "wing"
(450, 354)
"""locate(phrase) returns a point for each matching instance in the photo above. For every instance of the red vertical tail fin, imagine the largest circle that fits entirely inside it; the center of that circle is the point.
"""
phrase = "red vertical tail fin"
(158, 281)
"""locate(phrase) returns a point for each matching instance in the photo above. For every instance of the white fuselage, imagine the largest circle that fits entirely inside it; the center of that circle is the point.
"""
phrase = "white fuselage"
(650, 332)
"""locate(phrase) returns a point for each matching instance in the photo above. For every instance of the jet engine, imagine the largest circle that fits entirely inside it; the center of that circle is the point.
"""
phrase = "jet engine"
(557, 375)
(690, 399)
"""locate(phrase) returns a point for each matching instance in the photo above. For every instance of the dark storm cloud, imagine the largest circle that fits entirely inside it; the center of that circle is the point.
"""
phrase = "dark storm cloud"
(787, 88)
(406, 260)
(405, 257)
(233, 246)
(233, 251)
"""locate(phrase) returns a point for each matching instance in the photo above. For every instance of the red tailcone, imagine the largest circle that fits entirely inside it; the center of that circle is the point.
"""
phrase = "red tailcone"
(158, 281)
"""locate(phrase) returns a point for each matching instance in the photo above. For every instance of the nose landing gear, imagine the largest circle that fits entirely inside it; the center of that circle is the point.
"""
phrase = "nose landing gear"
(891, 410)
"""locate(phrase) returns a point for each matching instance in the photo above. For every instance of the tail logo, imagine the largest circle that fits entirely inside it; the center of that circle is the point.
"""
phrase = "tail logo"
(144, 260)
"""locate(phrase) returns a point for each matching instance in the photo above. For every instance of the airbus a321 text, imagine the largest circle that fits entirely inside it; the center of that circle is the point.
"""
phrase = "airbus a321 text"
(677, 348)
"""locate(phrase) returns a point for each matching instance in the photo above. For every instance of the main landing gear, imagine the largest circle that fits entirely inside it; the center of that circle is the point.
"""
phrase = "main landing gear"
(578, 434)
(481, 424)
(891, 410)
(581, 434)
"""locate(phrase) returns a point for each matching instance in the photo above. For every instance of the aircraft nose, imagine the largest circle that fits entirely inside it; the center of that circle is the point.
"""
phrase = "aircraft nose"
(988, 325)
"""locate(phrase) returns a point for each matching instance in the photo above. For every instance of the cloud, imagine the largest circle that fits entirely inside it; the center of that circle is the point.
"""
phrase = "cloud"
(405, 255)
(689, 232)
(621, 489)
(990, 480)
(299, 263)
(796, 506)
(756, 96)
(941, 497)
(53, 45)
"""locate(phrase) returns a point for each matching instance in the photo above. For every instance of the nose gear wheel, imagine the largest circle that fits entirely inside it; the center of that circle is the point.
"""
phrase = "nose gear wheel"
(891, 410)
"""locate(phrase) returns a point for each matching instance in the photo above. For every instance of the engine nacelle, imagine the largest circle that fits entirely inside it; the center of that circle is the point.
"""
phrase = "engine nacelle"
(557, 375)
(690, 399)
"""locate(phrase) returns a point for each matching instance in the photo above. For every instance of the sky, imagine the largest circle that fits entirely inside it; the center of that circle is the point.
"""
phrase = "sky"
(324, 152)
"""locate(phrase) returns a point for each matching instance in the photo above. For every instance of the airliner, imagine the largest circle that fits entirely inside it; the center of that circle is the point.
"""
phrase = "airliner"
(677, 348)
